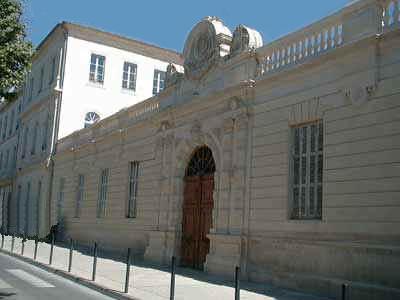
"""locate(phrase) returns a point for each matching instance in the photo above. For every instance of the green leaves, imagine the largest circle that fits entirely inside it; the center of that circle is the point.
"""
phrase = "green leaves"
(15, 50)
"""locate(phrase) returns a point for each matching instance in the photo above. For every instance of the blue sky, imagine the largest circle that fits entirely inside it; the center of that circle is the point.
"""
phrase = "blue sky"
(167, 23)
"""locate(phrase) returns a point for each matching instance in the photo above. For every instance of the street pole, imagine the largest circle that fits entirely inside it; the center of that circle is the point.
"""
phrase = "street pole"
(128, 269)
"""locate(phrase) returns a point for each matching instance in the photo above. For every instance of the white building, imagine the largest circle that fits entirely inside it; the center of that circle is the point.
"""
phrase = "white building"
(79, 75)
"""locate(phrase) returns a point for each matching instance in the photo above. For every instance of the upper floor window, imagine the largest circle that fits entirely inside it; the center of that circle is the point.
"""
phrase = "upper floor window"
(91, 118)
(133, 184)
(41, 79)
(306, 169)
(79, 195)
(53, 70)
(97, 64)
(158, 81)
(129, 76)
(1, 160)
(103, 187)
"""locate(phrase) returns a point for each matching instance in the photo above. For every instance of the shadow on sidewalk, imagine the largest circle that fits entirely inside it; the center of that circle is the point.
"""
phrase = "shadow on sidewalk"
(138, 261)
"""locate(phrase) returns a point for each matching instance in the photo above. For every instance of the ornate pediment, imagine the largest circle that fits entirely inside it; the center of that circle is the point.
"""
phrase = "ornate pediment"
(208, 41)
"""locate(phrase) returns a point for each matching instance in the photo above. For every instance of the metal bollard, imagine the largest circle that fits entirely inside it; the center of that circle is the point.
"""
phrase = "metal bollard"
(344, 291)
(36, 248)
(128, 269)
(12, 243)
(51, 250)
(71, 250)
(2, 240)
(172, 288)
(237, 283)
(94, 262)
(23, 246)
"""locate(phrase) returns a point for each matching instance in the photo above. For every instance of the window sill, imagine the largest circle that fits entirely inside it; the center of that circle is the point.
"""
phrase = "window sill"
(317, 221)
(128, 91)
(96, 85)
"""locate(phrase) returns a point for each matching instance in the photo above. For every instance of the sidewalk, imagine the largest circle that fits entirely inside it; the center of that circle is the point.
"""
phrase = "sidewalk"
(147, 281)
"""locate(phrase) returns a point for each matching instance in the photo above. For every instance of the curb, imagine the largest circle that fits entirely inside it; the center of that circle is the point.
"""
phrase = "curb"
(83, 281)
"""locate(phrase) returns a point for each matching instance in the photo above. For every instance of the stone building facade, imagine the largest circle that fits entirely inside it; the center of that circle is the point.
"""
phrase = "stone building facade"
(281, 158)
(73, 61)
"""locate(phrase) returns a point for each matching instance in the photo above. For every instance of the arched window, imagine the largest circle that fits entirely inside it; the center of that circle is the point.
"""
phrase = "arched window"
(91, 118)
(201, 163)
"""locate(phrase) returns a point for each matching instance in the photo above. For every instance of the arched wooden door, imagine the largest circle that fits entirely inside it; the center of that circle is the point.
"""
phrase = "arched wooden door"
(197, 208)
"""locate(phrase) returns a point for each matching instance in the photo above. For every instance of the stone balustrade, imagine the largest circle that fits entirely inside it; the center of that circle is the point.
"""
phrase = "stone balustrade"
(355, 21)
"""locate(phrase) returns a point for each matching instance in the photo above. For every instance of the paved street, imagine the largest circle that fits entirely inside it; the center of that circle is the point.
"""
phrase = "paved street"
(147, 282)
(20, 281)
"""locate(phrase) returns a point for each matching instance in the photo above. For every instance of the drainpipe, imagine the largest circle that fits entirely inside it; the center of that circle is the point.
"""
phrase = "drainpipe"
(56, 121)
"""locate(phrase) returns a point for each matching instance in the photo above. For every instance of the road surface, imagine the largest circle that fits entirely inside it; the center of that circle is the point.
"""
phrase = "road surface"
(22, 281)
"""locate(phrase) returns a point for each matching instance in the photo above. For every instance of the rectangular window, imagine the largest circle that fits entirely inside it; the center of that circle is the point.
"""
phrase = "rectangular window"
(41, 79)
(97, 64)
(10, 130)
(158, 81)
(35, 133)
(53, 70)
(129, 76)
(79, 195)
(45, 133)
(7, 159)
(1, 160)
(5, 126)
(31, 85)
(19, 209)
(306, 169)
(103, 184)
(25, 142)
(27, 209)
(38, 199)
(60, 200)
(133, 186)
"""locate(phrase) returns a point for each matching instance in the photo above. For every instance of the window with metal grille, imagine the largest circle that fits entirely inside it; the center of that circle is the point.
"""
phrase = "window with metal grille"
(306, 170)
(103, 185)
(129, 76)
(97, 65)
(27, 209)
(60, 200)
(158, 81)
(79, 195)
(38, 197)
(133, 184)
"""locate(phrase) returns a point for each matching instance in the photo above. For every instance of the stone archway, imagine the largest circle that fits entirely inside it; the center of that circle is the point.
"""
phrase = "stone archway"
(197, 208)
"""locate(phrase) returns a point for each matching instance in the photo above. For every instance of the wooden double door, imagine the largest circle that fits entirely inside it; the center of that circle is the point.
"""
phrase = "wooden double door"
(196, 220)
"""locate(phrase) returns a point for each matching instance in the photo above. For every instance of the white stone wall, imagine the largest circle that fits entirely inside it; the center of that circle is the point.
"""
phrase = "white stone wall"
(109, 97)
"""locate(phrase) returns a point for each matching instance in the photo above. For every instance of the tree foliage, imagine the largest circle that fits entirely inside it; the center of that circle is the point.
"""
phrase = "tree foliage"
(15, 50)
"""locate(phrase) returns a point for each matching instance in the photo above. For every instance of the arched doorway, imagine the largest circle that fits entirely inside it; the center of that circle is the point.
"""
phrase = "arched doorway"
(197, 208)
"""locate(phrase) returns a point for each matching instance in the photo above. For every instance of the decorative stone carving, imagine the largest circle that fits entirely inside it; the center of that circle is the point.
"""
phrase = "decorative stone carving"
(208, 41)
(172, 76)
(245, 38)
